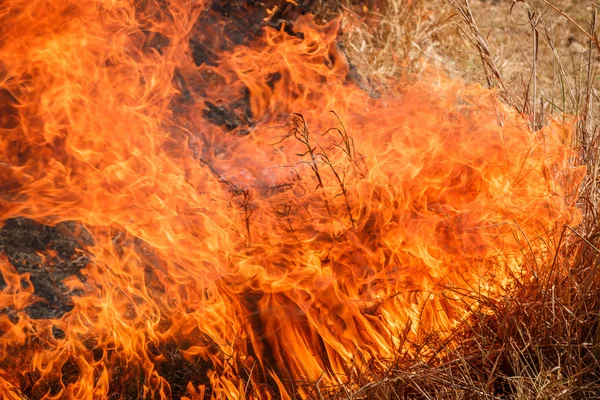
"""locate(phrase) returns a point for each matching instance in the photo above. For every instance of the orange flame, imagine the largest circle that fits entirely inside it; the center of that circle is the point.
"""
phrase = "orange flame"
(269, 243)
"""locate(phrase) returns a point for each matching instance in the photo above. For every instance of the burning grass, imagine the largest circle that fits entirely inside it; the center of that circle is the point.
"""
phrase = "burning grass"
(240, 240)
(541, 340)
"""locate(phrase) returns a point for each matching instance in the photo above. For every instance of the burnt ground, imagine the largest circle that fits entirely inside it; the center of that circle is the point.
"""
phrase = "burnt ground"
(49, 254)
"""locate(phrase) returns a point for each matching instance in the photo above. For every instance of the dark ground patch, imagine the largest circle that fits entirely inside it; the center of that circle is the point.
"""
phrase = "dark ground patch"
(49, 254)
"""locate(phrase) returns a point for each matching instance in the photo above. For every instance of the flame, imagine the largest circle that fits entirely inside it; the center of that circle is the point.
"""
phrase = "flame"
(256, 217)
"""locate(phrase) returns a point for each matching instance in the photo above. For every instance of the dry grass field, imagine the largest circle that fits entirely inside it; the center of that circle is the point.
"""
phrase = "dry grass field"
(542, 340)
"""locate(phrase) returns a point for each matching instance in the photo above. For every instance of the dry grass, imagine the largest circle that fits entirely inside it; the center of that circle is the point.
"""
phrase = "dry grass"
(390, 38)
(542, 341)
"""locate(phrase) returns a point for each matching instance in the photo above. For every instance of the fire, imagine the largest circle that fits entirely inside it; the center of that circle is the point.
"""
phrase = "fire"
(242, 212)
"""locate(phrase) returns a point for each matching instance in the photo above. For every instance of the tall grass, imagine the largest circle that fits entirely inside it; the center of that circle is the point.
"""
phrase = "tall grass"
(542, 340)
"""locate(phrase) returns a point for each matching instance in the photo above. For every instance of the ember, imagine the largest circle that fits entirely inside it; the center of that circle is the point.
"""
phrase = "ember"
(195, 203)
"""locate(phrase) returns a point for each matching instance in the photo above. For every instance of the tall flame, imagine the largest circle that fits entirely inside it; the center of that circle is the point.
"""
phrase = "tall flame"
(255, 215)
